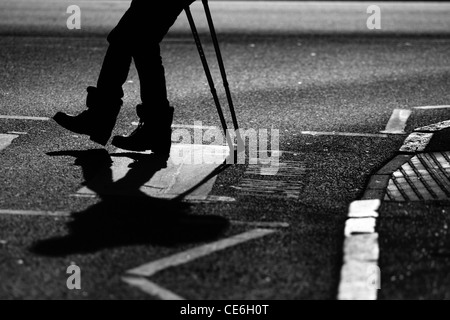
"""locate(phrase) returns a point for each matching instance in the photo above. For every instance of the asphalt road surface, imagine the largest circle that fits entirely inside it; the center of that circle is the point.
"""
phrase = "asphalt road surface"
(292, 67)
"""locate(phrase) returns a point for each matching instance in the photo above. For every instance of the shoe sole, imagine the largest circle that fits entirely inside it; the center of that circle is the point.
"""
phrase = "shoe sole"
(101, 139)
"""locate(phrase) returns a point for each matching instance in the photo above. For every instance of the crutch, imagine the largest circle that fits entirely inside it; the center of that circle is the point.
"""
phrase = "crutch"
(222, 72)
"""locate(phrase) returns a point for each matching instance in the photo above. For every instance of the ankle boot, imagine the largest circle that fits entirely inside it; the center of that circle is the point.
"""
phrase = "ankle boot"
(97, 121)
(154, 132)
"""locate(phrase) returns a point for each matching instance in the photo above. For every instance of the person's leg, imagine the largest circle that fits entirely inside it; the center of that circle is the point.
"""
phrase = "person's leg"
(155, 112)
(152, 80)
(115, 68)
(152, 21)
(104, 101)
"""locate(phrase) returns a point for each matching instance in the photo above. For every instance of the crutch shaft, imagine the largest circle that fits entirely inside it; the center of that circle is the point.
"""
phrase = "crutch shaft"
(208, 75)
(220, 62)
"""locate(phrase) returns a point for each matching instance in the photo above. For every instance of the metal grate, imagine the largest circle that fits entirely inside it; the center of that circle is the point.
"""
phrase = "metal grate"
(426, 177)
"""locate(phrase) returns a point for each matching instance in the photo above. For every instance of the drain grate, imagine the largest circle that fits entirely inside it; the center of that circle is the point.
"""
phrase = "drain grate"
(426, 177)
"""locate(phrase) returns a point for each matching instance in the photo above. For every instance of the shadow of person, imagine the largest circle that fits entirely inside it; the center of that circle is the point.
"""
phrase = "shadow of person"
(131, 219)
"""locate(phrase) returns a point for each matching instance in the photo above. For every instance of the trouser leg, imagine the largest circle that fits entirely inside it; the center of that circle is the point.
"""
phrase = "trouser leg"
(115, 69)
(141, 30)
(152, 79)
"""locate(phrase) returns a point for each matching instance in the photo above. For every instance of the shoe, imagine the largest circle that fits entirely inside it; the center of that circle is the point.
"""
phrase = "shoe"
(97, 121)
(154, 132)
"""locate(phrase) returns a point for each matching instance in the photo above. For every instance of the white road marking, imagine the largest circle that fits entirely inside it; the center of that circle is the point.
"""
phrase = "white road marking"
(208, 199)
(416, 142)
(18, 133)
(6, 140)
(364, 209)
(435, 127)
(186, 126)
(360, 276)
(152, 268)
(151, 288)
(363, 247)
(24, 118)
(261, 224)
(34, 213)
(397, 122)
(187, 167)
(187, 199)
(344, 134)
(432, 107)
(358, 281)
(360, 226)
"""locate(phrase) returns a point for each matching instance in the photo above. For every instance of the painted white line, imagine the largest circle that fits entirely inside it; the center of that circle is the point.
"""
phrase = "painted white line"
(18, 133)
(208, 199)
(363, 247)
(6, 140)
(187, 199)
(151, 288)
(432, 107)
(34, 213)
(360, 274)
(187, 167)
(24, 118)
(185, 126)
(435, 127)
(359, 281)
(345, 134)
(364, 209)
(261, 224)
(397, 122)
(152, 268)
(416, 142)
(360, 226)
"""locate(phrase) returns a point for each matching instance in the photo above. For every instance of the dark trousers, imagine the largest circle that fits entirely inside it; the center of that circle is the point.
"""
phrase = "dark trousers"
(137, 37)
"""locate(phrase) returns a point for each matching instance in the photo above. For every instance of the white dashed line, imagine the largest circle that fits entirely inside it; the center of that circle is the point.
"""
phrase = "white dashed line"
(24, 118)
(345, 134)
(186, 126)
(360, 226)
(397, 122)
(360, 276)
(364, 209)
(432, 107)
(34, 213)
(18, 133)
(258, 224)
